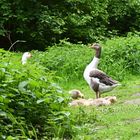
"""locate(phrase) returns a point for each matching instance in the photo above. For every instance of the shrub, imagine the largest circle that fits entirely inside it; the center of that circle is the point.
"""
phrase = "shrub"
(42, 23)
(67, 60)
(121, 56)
(31, 104)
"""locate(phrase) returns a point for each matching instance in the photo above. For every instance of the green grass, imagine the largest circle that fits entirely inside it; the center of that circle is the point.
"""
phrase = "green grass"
(119, 121)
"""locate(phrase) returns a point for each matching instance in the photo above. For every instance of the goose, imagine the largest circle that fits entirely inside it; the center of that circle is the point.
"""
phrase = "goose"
(75, 94)
(25, 56)
(98, 81)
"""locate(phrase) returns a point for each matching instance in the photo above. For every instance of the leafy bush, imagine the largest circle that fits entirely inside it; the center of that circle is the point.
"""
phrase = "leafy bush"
(121, 11)
(31, 104)
(42, 23)
(121, 56)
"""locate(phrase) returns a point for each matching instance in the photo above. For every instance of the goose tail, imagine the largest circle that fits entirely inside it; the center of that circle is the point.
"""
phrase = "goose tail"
(115, 85)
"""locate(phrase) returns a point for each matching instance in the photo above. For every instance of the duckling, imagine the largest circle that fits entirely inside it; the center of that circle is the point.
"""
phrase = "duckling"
(75, 94)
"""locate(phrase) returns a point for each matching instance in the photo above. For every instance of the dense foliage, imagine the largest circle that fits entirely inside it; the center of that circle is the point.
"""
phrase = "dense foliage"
(43, 23)
(121, 56)
(31, 104)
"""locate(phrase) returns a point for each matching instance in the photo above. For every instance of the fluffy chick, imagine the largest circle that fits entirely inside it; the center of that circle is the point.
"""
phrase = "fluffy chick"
(75, 94)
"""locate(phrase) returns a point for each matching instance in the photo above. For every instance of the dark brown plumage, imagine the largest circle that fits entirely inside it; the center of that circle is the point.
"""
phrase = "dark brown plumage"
(103, 78)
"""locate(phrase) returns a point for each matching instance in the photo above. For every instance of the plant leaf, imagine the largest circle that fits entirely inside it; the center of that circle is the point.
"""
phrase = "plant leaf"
(22, 85)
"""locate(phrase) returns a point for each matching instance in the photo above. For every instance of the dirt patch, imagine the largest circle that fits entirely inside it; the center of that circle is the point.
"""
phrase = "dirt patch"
(136, 120)
(136, 86)
(136, 94)
(133, 101)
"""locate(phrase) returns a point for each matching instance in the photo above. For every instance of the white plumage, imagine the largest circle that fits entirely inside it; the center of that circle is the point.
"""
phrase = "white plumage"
(25, 56)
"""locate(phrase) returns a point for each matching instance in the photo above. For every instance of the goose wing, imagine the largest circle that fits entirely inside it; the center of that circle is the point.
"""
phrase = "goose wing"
(103, 78)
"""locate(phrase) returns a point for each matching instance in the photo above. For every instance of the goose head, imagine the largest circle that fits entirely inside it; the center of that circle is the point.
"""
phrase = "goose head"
(97, 48)
(26, 56)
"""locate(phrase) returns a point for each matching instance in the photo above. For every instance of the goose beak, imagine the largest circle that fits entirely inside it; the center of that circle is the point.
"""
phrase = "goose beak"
(95, 46)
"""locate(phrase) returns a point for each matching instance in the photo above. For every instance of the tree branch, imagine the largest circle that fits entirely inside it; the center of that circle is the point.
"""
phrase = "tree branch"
(15, 43)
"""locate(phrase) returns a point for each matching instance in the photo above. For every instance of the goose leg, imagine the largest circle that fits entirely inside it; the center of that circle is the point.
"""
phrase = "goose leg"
(97, 95)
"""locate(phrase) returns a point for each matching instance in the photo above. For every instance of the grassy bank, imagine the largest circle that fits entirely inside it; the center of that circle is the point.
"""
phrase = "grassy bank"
(119, 121)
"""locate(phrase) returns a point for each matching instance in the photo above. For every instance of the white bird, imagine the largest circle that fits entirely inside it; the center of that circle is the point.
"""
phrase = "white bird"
(25, 56)
(97, 79)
